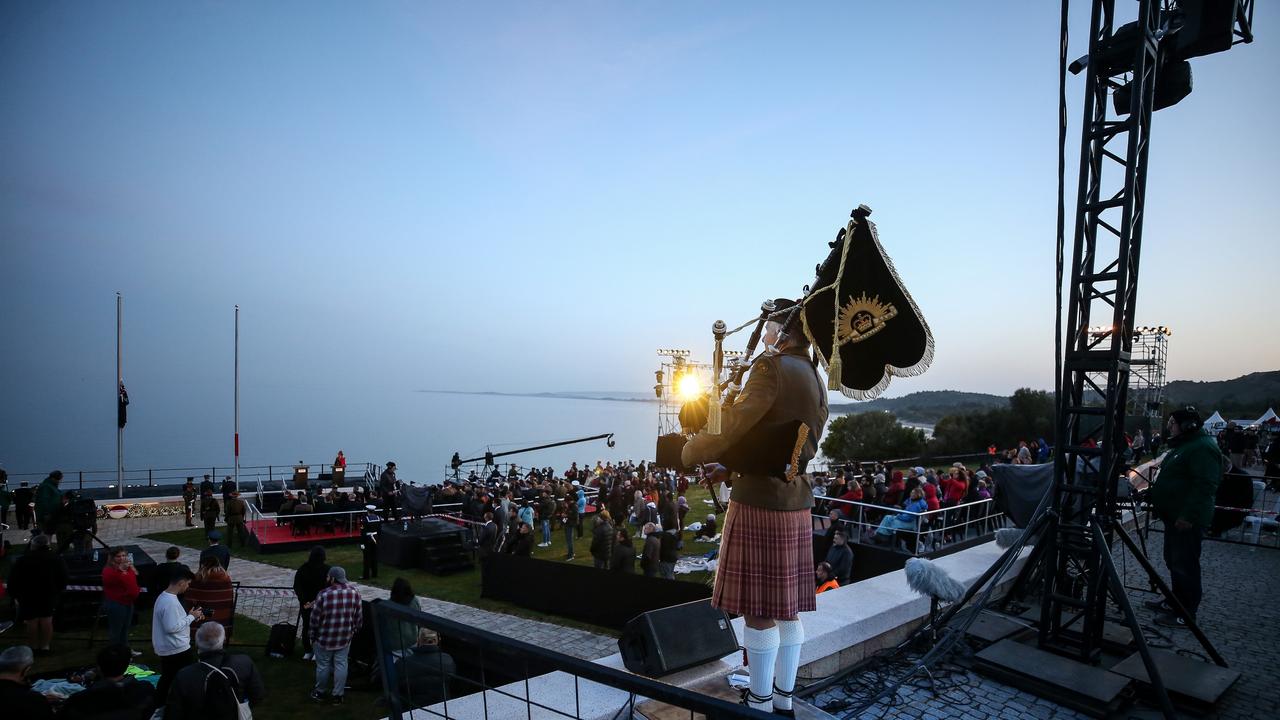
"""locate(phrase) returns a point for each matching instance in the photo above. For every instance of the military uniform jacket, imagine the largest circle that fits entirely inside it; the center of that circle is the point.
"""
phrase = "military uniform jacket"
(780, 389)
(209, 508)
(236, 510)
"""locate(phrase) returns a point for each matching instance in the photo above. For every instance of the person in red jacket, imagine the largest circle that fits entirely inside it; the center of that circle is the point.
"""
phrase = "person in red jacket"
(930, 494)
(852, 494)
(893, 493)
(119, 593)
(954, 486)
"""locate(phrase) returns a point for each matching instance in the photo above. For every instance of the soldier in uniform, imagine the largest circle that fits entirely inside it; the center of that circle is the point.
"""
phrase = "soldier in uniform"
(235, 511)
(209, 510)
(228, 484)
(369, 541)
(189, 496)
(766, 549)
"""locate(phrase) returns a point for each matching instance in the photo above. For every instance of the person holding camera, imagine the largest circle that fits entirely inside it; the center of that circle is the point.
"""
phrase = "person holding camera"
(119, 592)
(48, 500)
(1183, 497)
(171, 631)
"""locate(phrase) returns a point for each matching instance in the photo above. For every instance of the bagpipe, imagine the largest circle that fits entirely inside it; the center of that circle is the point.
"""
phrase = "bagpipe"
(864, 329)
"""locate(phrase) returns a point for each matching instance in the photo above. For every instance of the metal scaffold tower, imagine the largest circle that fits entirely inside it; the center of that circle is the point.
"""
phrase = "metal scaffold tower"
(1146, 373)
(678, 380)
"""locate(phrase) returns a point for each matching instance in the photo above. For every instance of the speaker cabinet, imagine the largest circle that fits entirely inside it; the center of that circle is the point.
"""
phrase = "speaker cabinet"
(663, 641)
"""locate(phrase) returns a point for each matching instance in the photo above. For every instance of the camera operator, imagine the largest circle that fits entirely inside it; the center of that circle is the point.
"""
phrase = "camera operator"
(1183, 497)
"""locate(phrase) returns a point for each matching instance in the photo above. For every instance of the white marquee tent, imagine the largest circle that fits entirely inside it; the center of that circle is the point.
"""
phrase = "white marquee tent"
(1215, 423)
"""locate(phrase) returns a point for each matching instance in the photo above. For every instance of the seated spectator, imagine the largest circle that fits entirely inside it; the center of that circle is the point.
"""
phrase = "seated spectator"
(853, 494)
(930, 491)
(209, 684)
(212, 592)
(303, 508)
(840, 558)
(423, 674)
(954, 486)
(708, 529)
(16, 696)
(822, 578)
(623, 558)
(343, 501)
(983, 492)
(324, 505)
(115, 695)
(905, 520)
(287, 503)
(893, 491)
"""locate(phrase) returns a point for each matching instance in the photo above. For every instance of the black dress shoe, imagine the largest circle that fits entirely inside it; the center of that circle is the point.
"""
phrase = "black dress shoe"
(1170, 620)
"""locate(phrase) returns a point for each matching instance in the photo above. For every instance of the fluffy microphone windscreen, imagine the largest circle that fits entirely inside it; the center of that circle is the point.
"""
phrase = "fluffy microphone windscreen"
(932, 581)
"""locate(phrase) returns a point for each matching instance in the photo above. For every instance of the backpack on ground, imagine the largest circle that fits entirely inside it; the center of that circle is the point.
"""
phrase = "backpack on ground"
(280, 641)
(223, 697)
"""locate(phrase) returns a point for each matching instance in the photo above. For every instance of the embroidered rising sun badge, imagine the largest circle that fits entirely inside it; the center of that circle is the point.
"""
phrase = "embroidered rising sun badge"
(862, 317)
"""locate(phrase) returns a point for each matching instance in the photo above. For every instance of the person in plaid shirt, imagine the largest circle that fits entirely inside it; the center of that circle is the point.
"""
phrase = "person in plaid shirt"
(335, 618)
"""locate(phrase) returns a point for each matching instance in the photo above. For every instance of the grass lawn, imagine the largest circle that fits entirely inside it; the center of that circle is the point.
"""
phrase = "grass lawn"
(288, 681)
(462, 588)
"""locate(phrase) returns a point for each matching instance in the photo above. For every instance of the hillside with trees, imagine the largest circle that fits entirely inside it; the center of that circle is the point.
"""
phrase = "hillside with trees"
(969, 422)
(925, 407)
(1247, 396)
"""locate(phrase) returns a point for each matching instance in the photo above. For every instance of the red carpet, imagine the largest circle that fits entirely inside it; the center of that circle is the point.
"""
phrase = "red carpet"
(268, 533)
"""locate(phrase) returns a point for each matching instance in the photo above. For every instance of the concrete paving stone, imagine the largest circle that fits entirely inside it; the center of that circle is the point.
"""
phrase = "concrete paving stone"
(1237, 613)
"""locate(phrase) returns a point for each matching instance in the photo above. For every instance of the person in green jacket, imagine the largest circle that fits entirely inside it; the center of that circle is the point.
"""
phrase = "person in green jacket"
(48, 501)
(1183, 497)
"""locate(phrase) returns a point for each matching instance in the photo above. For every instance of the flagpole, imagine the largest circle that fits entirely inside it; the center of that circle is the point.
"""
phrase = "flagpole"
(119, 382)
(237, 394)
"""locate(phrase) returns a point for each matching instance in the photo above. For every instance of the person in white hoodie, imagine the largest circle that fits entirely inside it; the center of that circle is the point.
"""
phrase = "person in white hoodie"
(171, 631)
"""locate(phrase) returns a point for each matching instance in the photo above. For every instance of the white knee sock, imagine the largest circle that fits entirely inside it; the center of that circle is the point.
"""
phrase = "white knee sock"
(790, 640)
(762, 651)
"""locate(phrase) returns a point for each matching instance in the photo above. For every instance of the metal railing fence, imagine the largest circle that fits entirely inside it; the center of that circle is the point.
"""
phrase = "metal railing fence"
(470, 672)
(160, 477)
(920, 532)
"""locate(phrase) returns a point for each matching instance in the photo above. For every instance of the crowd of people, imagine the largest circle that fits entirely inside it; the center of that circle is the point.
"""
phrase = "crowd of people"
(873, 503)
(190, 607)
(621, 506)
(635, 516)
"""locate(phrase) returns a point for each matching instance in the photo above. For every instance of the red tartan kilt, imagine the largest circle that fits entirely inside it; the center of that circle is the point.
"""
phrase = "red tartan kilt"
(766, 563)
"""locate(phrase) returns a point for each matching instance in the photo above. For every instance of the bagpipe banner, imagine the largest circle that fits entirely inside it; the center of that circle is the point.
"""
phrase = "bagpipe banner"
(862, 322)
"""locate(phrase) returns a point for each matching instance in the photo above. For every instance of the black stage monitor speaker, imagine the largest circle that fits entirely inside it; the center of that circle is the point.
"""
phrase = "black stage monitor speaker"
(663, 641)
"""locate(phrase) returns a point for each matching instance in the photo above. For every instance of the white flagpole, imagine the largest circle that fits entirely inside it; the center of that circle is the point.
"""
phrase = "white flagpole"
(237, 402)
(119, 382)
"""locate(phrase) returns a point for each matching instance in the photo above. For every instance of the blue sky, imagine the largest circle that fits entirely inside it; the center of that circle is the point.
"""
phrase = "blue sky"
(535, 196)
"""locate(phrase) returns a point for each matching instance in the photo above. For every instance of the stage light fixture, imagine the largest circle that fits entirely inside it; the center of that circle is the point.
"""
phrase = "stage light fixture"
(1173, 83)
(688, 387)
